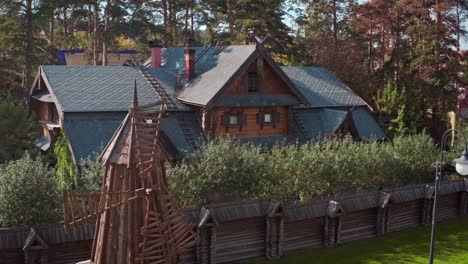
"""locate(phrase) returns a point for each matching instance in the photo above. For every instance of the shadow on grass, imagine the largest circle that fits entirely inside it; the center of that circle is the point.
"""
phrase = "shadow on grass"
(406, 247)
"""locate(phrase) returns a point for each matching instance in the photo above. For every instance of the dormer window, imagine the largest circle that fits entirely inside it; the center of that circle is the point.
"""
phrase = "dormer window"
(253, 85)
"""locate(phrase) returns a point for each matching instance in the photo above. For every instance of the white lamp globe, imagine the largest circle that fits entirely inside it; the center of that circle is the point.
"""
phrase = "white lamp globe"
(461, 164)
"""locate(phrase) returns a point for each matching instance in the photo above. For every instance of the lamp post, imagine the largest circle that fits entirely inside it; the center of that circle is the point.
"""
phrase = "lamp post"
(461, 165)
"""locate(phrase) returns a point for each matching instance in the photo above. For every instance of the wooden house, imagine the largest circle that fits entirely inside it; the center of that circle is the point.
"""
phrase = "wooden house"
(236, 92)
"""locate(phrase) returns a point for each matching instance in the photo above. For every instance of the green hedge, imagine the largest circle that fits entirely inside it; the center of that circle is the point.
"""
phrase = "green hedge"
(222, 170)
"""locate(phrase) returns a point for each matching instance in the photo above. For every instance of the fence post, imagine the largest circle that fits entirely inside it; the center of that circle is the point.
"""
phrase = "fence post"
(427, 205)
(274, 231)
(332, 227)
(206, 231)
(382, 213)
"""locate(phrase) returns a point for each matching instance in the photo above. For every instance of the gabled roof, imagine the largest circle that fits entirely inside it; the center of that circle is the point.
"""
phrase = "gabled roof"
(319, 123)
(216, 71)
(89, 134)
(322, 88)
(104, 88)
(366, 126)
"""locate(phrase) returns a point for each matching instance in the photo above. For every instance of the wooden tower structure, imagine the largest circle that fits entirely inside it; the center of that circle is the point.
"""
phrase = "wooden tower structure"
(137, 218)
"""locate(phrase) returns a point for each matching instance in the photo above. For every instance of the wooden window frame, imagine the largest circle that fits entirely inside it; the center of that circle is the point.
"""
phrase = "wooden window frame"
(241, 118)
(275, 117)
(250, 83)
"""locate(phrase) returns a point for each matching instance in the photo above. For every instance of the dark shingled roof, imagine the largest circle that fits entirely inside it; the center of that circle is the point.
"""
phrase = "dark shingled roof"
(183, 130)
(366, 125)
(322, 88)
(213, 71)
(89, 134)
(296, 212)
(321, 122)
(105, 88)
(13, 238)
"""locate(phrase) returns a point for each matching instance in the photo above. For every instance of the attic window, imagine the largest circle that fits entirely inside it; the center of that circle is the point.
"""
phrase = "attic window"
(253, 84)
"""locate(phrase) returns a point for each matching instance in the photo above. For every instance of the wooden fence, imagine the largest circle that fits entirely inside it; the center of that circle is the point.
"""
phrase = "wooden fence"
(269, 228)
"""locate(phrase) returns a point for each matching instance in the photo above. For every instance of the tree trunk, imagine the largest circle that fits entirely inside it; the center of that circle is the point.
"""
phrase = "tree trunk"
(95, 34)
(165, 22)
(192, 7)
(28, 47)
(230, 18)
(438, 24)
(369, 52)
(106, 38)
(457, 26)
(90, 21)
(65, 23)
(396, 48)
(335, 25)
(187, 14)
(51, 28)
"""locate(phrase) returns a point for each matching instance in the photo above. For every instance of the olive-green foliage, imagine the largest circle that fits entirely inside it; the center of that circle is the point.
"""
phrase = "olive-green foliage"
(66, 175)
(28, 193)
(91, 174)
(222, 170)
(17, 128)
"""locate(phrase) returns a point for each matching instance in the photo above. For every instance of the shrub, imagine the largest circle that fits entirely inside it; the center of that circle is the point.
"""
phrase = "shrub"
(221, 170)
(17, 129)
(28, 193)
(66, 175)
(91, 174)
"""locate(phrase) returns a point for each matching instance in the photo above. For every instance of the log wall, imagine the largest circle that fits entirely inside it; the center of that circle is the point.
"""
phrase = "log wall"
(404, 215)
(358, 225)
(251, 128)
(269, 228)
(307, 233)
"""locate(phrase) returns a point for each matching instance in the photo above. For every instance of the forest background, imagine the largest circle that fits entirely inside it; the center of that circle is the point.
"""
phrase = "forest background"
(406, 58)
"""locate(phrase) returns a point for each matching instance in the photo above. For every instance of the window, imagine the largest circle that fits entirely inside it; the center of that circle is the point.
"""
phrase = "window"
(253, 85)
(269, 117)
(233, 120)
(53, 115)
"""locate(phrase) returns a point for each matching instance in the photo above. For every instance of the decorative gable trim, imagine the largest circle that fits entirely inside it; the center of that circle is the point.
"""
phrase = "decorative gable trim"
(261, 53)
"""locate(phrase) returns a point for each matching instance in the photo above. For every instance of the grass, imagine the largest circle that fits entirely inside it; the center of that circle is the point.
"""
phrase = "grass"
(405, 247)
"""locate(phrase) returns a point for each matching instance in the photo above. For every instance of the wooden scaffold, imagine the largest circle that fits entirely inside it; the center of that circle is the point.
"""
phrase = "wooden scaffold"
(137, 218)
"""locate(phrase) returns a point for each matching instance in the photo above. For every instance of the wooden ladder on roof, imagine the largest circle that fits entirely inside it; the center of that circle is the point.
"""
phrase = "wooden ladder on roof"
(206, 47)
(299, 123)
(158, 89)
(186, 130)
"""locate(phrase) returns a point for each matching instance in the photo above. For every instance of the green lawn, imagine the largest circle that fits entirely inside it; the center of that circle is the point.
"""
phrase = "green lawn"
(405, 247)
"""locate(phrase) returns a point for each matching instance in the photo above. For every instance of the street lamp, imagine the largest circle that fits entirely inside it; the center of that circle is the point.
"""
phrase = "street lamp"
(461, 165)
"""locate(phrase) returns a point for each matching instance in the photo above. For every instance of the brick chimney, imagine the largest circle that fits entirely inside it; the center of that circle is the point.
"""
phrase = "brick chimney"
(189, 62)
(156, 48)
